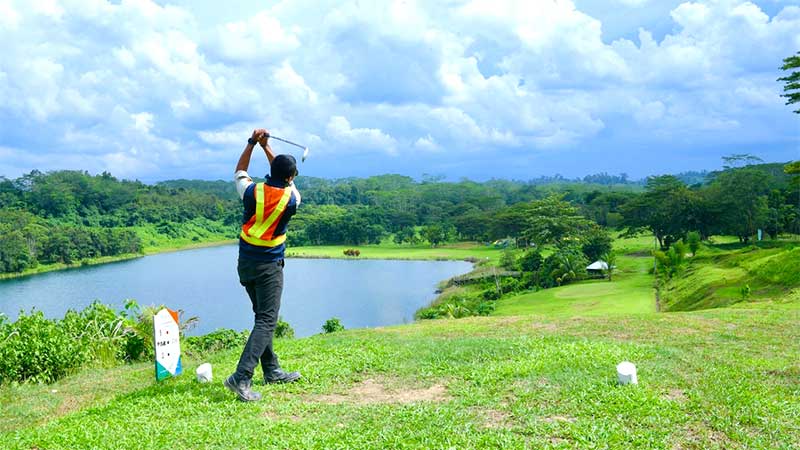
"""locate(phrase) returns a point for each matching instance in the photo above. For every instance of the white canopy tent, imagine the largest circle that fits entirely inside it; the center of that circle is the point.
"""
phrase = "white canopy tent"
(597, 265)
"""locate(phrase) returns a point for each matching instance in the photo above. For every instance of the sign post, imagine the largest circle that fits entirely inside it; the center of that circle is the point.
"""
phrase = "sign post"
(167, 345)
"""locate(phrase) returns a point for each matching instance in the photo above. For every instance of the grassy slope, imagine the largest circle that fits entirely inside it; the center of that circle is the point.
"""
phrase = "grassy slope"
(722, 378)
(629, 292)
(717, 275)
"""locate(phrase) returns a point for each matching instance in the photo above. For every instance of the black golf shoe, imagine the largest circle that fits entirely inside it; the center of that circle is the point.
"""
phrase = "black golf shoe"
(281, 376)
(241, 389)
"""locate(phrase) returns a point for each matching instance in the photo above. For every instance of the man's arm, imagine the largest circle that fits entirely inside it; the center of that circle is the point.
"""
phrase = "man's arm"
(244, 160)
(263, 140)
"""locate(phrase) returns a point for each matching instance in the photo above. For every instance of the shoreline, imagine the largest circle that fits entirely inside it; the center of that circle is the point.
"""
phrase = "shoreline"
(328, 252)
(57, 267)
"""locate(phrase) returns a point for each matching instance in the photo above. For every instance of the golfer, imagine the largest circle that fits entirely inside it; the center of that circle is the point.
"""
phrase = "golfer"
(267, 209)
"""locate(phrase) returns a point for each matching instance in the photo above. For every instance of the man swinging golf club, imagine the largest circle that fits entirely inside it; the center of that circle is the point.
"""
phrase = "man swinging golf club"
(267, 209)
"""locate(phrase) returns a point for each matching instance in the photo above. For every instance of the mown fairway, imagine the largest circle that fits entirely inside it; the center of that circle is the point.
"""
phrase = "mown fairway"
(540, 374)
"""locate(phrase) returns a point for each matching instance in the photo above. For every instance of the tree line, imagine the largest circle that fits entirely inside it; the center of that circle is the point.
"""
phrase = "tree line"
(68, 216)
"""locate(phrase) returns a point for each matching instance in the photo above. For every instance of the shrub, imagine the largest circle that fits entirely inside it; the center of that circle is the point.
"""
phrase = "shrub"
(485, 308)
(332, 325)
(693, 241)
(283, 329)
(490, 294)
(510, 284)
(531, 260)
(508, 260)
(428, 313)
(38, 349)
(221, 339)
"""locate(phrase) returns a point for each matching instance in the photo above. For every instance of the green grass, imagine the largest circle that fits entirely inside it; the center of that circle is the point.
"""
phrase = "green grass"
(629, 292)
(388, 251)
(538, 374)
(716, 379)
(716, 276)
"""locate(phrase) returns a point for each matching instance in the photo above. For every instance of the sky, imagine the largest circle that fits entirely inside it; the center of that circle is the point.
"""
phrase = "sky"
(476, 89)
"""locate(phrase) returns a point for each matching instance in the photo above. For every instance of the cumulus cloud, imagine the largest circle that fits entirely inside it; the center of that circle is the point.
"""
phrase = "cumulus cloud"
(164, 86)
(339, 129)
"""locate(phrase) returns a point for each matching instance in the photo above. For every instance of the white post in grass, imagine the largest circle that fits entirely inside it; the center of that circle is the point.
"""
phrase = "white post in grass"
(626, 373)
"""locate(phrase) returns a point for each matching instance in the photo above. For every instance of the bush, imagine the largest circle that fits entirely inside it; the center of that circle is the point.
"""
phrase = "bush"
(485, 308)
(693, 241)
(508, 260)
(510, 284)
(221, 339)
(332, 325)
(490, 294)
(531, 260)
(428, 313)
(284, 330)
(37, 349)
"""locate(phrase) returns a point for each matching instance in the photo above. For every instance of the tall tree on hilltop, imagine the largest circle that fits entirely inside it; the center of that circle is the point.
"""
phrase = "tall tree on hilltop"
(791, 88)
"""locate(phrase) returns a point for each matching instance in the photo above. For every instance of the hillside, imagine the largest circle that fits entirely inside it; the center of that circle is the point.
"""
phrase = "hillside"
(726, 274)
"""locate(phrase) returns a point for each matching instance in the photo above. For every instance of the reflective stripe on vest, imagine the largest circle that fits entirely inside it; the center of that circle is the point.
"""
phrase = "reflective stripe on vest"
(255, 231)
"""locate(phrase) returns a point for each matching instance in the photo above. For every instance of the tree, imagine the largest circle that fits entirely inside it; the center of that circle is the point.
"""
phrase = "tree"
(742, 196)
(436, 234)
(791, 87)
(596, 242)
(611, 259)
(568, 264)
(553, 221)
(739, 160)
(663, 209)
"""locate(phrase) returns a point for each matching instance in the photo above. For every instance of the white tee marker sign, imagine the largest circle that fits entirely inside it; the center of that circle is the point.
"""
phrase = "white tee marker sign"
(166, 341)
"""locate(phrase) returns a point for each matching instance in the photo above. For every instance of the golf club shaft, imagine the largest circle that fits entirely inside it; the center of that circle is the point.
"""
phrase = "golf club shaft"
(287, 141)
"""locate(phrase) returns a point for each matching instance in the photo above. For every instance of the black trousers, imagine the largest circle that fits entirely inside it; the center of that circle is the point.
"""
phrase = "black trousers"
(264, 285)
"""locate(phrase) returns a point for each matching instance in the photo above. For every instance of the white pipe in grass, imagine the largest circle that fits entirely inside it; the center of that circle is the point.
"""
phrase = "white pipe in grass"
(626, 373)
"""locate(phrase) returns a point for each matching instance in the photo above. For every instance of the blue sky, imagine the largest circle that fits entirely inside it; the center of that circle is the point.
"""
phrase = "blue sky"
(475, 88)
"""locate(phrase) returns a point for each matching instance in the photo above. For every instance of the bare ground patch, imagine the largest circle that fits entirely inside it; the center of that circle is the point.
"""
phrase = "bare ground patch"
(495, 419)
(372, 391)
(676, 395)
(557, 419)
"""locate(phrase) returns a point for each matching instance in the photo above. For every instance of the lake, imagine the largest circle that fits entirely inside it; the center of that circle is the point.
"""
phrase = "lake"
(204, 283)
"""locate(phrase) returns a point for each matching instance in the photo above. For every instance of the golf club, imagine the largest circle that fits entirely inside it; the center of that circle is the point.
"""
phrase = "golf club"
(305, 149)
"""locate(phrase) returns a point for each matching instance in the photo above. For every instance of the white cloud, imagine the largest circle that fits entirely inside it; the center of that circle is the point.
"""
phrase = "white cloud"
(339, 129)
(256, 40)
(371, 77)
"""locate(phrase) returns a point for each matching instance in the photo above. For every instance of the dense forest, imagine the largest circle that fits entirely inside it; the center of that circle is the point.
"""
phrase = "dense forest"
(72, 216)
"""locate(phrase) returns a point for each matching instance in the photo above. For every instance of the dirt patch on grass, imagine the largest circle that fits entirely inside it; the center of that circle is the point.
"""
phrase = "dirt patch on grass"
(700, 435)
(71, 403)
(557, 419)
(372, 391)
(495, 419)
(676, 395)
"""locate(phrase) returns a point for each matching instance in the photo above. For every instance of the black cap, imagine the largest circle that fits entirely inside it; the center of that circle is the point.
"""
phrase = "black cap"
(283, 167)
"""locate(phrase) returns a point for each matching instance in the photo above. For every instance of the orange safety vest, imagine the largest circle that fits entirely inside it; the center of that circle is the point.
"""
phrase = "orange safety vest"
(260, 229)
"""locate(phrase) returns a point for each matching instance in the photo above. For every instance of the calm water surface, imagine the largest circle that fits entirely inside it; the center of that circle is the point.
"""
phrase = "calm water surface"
(204, 283)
